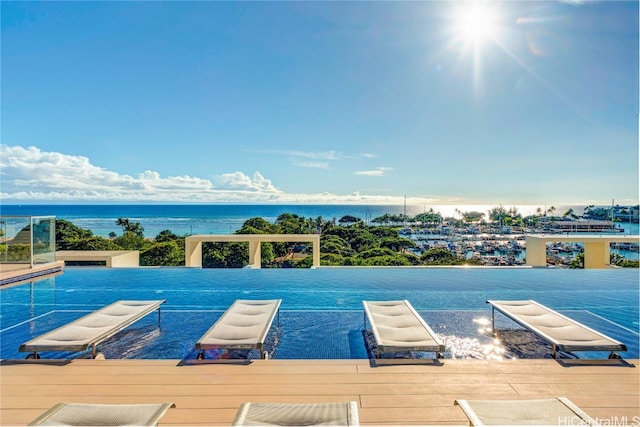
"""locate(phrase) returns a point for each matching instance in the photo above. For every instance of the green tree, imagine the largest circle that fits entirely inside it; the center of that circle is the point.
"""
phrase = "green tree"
(166, 236)
(577, 262)
(131, 241)
(361, 239)
(332, 259)
(130, 227)
(333, 244)
(620, 261)
(166, 253)
(383, 232)
(429, 218)
(472, 216)
(397, 244)
(67, 231)
(259, 224)
(247, 229)
(225, 254)
(384, 219)
(441, 256)
(93, 243)
(348, 219)
(267, 254)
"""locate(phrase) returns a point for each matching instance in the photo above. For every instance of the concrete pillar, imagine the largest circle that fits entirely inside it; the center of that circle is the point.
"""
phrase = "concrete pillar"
(126, 259)
(255, 257)
(536, 252)
(316, 252)
(192, 252)
(596, 254)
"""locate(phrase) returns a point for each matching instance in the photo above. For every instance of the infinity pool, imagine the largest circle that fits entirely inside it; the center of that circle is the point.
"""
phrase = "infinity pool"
(321, 312)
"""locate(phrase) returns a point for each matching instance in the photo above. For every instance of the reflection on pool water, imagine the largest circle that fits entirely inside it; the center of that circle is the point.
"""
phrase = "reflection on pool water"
(321, 312)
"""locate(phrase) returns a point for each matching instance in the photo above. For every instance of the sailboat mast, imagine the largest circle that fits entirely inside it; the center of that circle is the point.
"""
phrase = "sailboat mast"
(404, 215)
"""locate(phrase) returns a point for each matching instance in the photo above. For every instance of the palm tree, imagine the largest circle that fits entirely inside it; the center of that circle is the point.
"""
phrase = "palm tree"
(132, 227)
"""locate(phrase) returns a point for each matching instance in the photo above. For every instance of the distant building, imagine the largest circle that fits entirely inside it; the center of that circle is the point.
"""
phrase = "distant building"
(614, 213)
(626, 213)
(584, 226)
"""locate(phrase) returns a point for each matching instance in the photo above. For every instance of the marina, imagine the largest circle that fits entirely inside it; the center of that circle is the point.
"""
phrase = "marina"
(507, 247)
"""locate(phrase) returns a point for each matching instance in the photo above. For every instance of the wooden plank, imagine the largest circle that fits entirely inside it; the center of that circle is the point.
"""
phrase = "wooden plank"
(181, 401)
(135, 377)
(259, 389)
(559, 389)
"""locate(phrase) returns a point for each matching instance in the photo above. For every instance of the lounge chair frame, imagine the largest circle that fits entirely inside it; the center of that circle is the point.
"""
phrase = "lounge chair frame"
(271, 311)
(438, 347)
(557, 345)
(41, 343)
(573, 412)
(334, 413)
(80, 413)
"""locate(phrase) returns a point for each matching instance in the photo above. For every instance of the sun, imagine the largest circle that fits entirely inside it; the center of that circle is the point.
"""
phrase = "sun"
(476, 22)
(476, 28)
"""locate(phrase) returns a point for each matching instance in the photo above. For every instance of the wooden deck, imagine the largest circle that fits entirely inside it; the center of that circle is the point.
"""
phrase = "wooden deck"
(208, 393)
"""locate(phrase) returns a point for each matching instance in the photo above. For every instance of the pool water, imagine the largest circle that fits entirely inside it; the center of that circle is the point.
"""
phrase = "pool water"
(321, 315)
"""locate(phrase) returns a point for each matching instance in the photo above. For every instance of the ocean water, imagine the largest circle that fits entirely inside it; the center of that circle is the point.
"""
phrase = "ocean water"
(226, 219)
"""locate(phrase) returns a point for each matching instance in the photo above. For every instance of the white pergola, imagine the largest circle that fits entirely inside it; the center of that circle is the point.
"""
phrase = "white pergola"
(596, 247)
(193, 245)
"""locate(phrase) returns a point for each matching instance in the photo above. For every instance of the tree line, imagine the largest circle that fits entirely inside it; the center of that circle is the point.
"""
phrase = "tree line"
(346, 242)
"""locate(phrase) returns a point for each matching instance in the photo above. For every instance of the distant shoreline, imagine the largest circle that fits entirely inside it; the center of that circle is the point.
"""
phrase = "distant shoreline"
(185, 219)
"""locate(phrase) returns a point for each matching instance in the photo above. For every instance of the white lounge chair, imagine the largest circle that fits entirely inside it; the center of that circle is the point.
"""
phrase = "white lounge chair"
(541, 412)
(563, 333)
(297, 414)
(84, 414)
(397, 327)
(243, 326)
(92, 329)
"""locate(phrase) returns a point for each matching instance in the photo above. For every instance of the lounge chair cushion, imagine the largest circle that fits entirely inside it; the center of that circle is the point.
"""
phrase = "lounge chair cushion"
(396, 326)
(92, 328)
(244, 325)
(565, 333)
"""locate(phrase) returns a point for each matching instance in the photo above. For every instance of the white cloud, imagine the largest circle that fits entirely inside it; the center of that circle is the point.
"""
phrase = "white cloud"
(240, 181)
(380, 171)
(313, 165)
(32, 175)
(319, 155)
(326, 155)
(318, 159)
(577, 2)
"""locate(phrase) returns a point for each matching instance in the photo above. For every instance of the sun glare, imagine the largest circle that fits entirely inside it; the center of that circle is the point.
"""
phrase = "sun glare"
(475, 29)
(476, 22)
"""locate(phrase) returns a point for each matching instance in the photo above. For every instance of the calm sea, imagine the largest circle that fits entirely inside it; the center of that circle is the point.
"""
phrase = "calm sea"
(226, 219)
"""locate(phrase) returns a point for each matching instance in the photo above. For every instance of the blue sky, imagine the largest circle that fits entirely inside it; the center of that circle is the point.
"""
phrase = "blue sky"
(320, 102)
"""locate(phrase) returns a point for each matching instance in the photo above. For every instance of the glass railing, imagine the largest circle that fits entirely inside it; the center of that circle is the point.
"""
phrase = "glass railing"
(27, 239)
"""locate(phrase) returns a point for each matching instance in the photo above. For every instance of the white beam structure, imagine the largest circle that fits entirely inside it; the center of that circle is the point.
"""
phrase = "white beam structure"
(113, 259)
(193, 245)
(596, 248)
